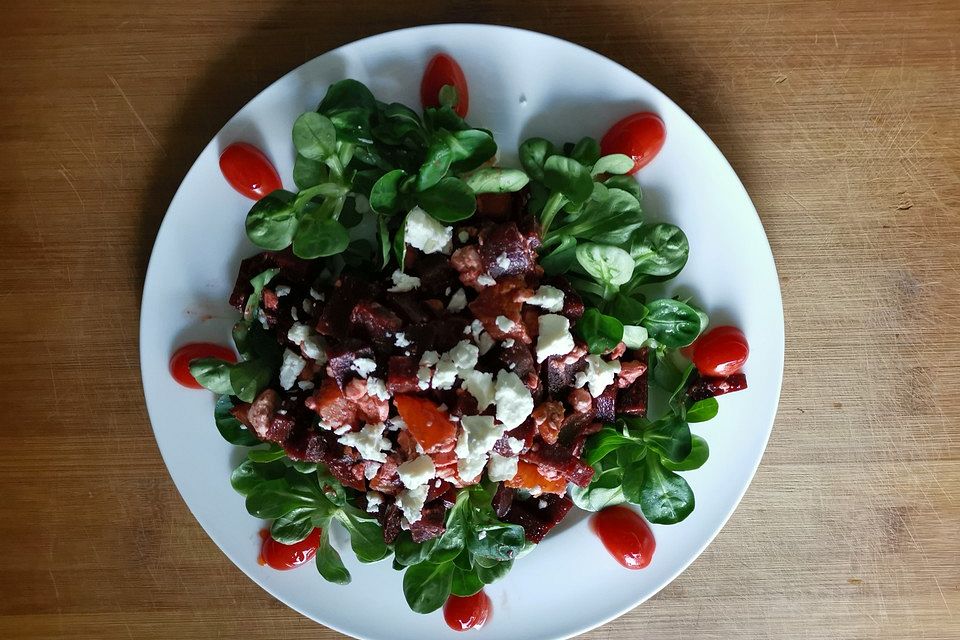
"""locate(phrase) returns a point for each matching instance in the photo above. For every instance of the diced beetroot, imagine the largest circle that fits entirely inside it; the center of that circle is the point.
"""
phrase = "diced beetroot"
(262, 410)
(340, 359)
(280, 428)
(503, 299)
(503, 500)
(375, 320)
(292, 269)
(632, 399)
(239, 411)
(450, 497)
(372, 410)
(581, 440)
(349, 472)
(438, 489)
(334, 407)
(548, 417)
(537, 522)
(572, 302)
(334, 321)
(630, 370)
(408, 305)
(406, 445)
(390, 521)
(711, 387)
(437, 335)
(402, 374)
(605, 405)
(504, 251)
(580, 401)
(436, 275)
(464, 404)
(466, 260)
(312, 445)
(526, 432)
(559, 372)
(519, 360)
(573, 426)
(387, 479)
(497, 206)
(557, 459)
(430, 525)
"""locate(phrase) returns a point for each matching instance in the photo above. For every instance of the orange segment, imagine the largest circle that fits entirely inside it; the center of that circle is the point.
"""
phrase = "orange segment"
(529, 477)
(429, 426)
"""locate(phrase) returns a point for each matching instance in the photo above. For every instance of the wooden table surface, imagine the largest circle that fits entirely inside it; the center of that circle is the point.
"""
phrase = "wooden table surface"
(840, 117)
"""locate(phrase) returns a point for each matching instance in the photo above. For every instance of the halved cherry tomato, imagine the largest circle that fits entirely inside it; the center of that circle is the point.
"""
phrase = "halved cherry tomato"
(626, 536)
(529, 477)
(427, 423)
(639, 136)
(470, 612)
(277, 555)
(180, 361)
(444, 70)
(249, 171)
(720, 352)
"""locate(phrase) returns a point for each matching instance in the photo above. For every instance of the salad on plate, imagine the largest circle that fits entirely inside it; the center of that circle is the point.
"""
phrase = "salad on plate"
(445, 356)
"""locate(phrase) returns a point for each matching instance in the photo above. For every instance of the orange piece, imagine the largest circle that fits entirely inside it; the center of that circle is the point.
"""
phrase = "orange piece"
(427, 423)
(529, 477)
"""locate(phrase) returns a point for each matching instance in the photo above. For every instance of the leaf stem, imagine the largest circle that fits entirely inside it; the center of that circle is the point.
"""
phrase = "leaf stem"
(553, 205)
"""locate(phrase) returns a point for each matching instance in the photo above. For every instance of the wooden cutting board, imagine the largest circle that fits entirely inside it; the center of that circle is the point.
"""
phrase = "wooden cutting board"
(840, 117)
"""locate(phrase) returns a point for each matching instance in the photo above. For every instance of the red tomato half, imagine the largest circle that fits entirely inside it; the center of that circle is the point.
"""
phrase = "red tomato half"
(626, 536)
(444, 70)
(640, 136)
(470, 612)
(720, 352)
(277, 555)
(249, 171)
(180, 361)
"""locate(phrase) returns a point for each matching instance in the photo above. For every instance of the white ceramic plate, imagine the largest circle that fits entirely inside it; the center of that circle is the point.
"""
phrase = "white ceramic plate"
(521, 84)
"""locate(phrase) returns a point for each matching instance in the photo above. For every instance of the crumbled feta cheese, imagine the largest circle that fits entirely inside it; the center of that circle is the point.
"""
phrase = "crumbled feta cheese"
(397, 423)
(447, 291)
(400, 340)
(501, 468)
(464, 355)
(307, 306)
(423, 377)
(555, 338)
(516, 444)
(634, 336)
(550, 298)
(514, 403)
(374, 500)
(314, 349)
(294, 314)
(402, 282)
(485, 342)
(316, 295)
(411, 503)
(377, 388)
(482, 535)
(542, 504)
(485, 281)
(342, 429)
(364, 366)
(429, 358)
(417, 472)
(370, 470)
(262, 317)
(503, 261)
(509, 342)
(305, 385)
(463, 236)
(504, 323)
(477, 437)
(424, 232)
(290, 368)
(323, 424)
(445, 374)
(369, 441)
(480, 385)
(512, 366)
(282, 290)
(458, 302)
(598, 375)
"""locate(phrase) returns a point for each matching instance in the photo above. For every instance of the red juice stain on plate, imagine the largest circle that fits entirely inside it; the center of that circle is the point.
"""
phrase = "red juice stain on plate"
(471, 612)
(626, 536)
(249, 171)
(180, 360)
(277, 555)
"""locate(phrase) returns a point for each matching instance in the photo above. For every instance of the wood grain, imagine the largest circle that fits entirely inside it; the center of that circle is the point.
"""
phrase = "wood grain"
(841, 119)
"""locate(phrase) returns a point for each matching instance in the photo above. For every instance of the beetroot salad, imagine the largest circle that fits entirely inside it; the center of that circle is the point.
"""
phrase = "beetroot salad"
(445, 356)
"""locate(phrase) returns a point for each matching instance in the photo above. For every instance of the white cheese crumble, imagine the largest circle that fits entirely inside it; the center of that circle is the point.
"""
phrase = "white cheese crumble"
(400, 340)
(305, 385)
(311, 344)
(482, 535)
(485, 280)
(514, 402)
(485, 342)
(294, 314)
(598, 375)
(402, 282)
(370, 470)
(374, 500)
(429, 358)
(542, 504)
(458, 302)
(480, 385)
(307, 306)
(369, 441)
(364, 366)
(501, 468)
(504, 323)
(282, 290)
(411, 502)
(550, 298)
(377, 388)
(516, 444)
(555, 338)
(417, 472)
(477, 437)
(509, 342)
(462, 358)
(290, 368)
(463, 236)
(262, 317)
(503, 261)
(342, 429)
(316, 295)
(424, 232)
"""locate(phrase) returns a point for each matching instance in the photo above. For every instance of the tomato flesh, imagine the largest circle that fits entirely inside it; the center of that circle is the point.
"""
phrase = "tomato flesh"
(443, 70)
(529, 477)
(249, 171)
(427, 423)
(626, 536)
(640, 136)
(282, 557)
(720, 352)
(470, 612)
(180, 360)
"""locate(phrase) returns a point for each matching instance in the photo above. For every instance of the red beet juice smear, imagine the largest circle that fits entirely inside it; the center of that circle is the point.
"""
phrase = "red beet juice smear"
(180, 360)
(626, 536)
(470, 612)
